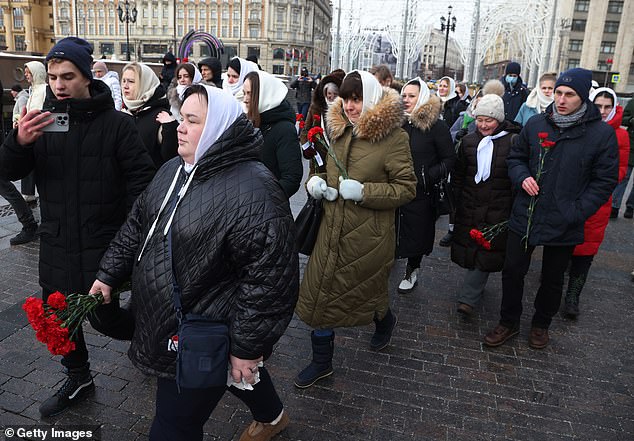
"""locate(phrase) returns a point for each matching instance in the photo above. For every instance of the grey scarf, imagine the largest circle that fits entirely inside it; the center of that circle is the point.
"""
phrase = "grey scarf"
(565, 121)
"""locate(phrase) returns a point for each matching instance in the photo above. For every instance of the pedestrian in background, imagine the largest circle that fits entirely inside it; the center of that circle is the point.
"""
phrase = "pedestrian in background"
(484, 196)
(304, 85)
(434, 157)
(88, 179)
(594, 228)
(383, 74)
(538, 100)
(346, 278)
(167, 72)
(231, 250)
(267, 109)
(515, 92)
(564, 188)
(35, 74)
(211, 71)
(452, 105)
(237, 70)
(21, 97)
(111, 78)
(185, 75)
(621, 188)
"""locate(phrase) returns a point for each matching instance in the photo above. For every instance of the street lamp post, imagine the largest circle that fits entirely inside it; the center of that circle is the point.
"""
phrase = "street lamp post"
(447, 25)
(127, 16)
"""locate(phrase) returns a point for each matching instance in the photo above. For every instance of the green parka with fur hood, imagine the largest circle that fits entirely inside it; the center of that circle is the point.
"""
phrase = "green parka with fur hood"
(346, 280)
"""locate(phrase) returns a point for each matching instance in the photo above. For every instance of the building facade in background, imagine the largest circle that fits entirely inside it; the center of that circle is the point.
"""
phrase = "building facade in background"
(284, 34)
(26, 26)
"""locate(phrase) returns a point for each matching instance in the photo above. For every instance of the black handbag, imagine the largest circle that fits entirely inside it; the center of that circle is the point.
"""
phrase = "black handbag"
(307, 225)
(202, 356)
(442, 194)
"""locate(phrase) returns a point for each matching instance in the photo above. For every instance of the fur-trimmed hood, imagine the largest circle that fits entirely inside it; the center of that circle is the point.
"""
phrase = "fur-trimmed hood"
(425, 116)
(374, 124)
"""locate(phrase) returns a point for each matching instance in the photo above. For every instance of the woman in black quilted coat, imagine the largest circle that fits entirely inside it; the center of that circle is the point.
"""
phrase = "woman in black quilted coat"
(233, 256)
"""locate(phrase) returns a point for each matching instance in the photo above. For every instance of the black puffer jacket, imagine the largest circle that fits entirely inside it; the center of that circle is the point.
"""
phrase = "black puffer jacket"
(451, 110)
(87, 178)
(148, 127)
(233, 248)
(281, 152)
(431, 146)
(580, 173)
(484, 204)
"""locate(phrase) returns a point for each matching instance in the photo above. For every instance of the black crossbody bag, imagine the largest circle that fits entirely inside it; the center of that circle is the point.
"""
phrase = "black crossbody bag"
(203, 344)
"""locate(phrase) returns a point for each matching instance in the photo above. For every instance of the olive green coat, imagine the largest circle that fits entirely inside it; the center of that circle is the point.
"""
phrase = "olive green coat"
(346, 280)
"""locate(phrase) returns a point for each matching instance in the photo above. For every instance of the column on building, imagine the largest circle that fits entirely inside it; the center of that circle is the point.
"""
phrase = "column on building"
(8, 26)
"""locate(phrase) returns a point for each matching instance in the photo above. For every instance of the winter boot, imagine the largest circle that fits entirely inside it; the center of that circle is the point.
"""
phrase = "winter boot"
(410, 281)
(321, 366)
(77, 386)
(571, 306)
(383, 333)
(28, 234)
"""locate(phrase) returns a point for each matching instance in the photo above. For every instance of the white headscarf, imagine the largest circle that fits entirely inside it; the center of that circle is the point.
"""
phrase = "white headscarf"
(537, 100)
(372, 89)
(148, 82)
(272, 91)
(245, 68)
(181, 88)
(423, 96)
(452, 89)
(222, 111)
(615, 99)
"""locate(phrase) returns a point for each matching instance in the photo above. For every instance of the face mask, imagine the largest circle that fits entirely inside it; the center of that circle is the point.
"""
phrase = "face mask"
(511, 80)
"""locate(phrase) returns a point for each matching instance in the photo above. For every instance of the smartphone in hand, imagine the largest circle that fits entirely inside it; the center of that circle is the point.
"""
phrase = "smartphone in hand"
(61, 123)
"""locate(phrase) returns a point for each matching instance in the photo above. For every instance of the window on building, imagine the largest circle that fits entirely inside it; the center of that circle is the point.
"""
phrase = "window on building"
(607, 47)
(578, 25)
(191, 13)
(91, 13)
(18, 21)
(82, 13)
(102, 13)
(602, 65)
(91, 29)
(214, 13)
(280, 15)
(1, 19)
(236, 14)
(254, 31)
(65, 28)
(278, 69)
(111, 29)
(631, 72)
(180, 13)
(106, 48)
(278, 53)
(573, 62)
(63, 13)
(224, 31)
(20, 43)
(575, 45)
(279, 34)
(110, 13)
(236, 32)
(254, 14)
(124, 48)
(295, 16)
(102, 29)
(611, 27)
(179, 30)
(225, 13)
(155, 13)
(615, 7)
(582, 5)
(81, 29)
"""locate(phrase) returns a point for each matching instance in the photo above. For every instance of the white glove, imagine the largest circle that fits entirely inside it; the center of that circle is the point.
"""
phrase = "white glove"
(318, 189)
(349, 189)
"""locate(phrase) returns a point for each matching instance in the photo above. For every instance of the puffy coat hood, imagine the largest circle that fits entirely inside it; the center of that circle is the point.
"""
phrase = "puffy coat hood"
(38, 71)
(374, 124)
(425, 116)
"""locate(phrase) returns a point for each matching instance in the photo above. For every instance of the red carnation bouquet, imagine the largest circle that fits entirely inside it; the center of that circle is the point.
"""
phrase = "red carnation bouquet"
(545, 145)
(57, 321)
(316, 135)
(485, 236)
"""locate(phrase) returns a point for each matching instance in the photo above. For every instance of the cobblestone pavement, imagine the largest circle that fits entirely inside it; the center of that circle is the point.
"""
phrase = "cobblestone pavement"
(435, 381)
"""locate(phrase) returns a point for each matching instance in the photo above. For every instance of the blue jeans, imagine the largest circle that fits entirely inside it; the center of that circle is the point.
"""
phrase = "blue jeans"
(619, 191)
(303, 109)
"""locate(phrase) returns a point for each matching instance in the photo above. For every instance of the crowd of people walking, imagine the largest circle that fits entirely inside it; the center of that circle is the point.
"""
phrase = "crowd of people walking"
(180, 183)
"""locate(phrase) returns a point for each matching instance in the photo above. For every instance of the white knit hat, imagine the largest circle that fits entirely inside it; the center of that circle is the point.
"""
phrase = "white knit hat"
(490, 105)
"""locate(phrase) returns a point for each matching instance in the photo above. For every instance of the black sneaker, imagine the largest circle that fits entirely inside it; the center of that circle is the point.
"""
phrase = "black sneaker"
(25, 236)
(446, 240)
(629, 213)
(75, 389)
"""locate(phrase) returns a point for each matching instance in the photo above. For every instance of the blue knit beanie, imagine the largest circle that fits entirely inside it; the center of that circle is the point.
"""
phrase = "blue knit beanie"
(513, 68)
(578, 79)
(75, 50)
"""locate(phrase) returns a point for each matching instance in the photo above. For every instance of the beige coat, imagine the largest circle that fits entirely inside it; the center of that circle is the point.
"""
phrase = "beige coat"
(346, 279)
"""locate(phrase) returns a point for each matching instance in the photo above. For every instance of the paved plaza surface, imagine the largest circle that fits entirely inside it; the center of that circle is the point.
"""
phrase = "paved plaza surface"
(435, 381)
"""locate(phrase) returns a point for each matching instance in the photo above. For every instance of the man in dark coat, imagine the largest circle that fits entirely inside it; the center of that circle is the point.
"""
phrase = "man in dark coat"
(563, 166)
(169, 67)
(88, 179)
(211, 71)
(515, 93)
(304, 84)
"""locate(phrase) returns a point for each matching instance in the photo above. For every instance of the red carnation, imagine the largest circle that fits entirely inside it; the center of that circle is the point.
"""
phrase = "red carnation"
(302, 124)
(548, 144)
(314, 133)
(299, 117)
(316, 118)
(542, 135)
(57, 300)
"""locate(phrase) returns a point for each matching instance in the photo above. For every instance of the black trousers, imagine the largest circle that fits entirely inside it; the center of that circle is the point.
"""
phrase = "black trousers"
(548, 296)
(21, 208)
(181, 417)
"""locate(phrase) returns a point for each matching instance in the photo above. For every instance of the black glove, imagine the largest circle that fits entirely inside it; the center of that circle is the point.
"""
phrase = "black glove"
(461, 133)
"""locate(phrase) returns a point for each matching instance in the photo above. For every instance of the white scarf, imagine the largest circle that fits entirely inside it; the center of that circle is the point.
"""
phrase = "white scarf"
(272, 91)
(538, 101)
(615, 100)
(372, 89)
(485, 156)
(423, 96)
(146, 87)
(181, 88)
(452, 89)
(245, 68)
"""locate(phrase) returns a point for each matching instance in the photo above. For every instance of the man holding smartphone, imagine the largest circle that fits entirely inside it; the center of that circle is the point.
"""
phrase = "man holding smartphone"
(88, 176)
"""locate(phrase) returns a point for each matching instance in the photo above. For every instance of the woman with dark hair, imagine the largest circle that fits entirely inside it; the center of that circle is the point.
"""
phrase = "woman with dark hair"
(452, 105)
(237, 70)
(185, 75)
(594, 228)
(434, 157)
(267, 108)
(216, 224)
(346, 279)
(144, 99)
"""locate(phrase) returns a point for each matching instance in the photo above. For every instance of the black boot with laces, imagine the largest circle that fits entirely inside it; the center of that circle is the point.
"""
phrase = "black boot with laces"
(76, 388)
